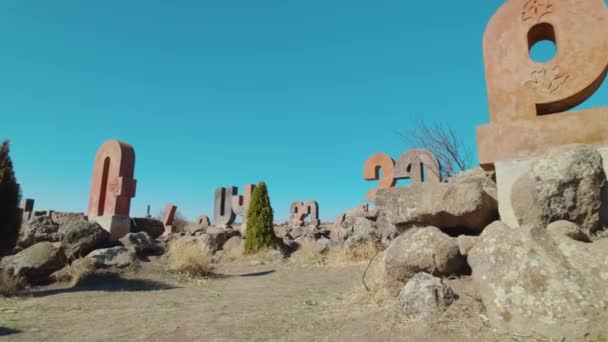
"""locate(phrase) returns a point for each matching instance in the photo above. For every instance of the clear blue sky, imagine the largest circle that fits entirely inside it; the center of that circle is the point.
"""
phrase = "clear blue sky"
(217, 93)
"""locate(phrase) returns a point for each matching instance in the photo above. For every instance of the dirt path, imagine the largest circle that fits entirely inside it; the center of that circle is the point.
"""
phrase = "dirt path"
(280, 302)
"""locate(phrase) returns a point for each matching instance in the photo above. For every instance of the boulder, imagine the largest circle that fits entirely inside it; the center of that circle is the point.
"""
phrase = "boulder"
(119, 257)
(154, 228)
(425, 297)
(63, 218)
(369, 213)
(38, 229)
(477, 175)
(233, 248)
(466, 243)
(387, 231)
(568, 229)
(453, 207)
(35, 263)
(142, 243)
(531, 280)
(564, 184)
(421, 250)
(322, 245)
(363, 231)
(79, 238)
(212, 241)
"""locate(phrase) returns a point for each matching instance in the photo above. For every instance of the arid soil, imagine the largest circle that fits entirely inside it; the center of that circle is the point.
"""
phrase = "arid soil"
(246, 301)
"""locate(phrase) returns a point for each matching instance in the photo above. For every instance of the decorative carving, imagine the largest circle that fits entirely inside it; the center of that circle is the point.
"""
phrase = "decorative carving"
(300, 211)
(536, 9)
(547, 80)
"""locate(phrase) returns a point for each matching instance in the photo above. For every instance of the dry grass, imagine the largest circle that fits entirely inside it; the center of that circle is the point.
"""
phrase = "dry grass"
(75, 273)
(10, 286)
(306, 255)
(192, 258)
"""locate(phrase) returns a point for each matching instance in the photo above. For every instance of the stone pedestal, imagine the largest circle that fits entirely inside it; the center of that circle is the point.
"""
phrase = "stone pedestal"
(118, 226)
(508, 172)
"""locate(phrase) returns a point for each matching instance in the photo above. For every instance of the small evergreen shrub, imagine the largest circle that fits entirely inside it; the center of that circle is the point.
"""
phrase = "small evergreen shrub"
(260, 227)
(10, 195)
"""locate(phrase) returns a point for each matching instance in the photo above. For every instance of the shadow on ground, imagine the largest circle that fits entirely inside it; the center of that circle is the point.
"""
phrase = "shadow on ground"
(109, 283)
(253, 274)
(8, 331)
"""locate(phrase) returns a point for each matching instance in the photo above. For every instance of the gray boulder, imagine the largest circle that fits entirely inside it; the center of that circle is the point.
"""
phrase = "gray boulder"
(457, 206)
(466, 243)
(421, 250)
(425, 297)
(79, 238)
(363, 231)
(322, 245)
(35, 263)
(119, 257)
(62, 218)
(568, 229)
(564, 184)
(233, 248)
(141, 241)
(531, 280)
(38, 229)
(154, 228)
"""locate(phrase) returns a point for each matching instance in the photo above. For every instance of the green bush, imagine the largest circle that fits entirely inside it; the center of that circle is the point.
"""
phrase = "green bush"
(10, 195)
(260, 230)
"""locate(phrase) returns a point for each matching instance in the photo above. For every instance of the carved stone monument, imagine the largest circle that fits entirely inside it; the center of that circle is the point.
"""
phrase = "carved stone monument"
(113, 187)
(528, 100)
(168, 218)
(417, 164)
(223, 215)
(26, 210)
(240, 205)
(301, 210)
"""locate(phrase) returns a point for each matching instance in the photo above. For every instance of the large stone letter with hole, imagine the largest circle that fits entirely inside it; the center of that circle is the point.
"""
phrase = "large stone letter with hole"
(113, 187)
(413, 163)
(528, 100)
(240, 205)
(223, 215)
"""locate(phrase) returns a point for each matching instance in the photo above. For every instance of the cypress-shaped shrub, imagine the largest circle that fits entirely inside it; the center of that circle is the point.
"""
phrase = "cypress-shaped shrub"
(10, 195)
(260, 231)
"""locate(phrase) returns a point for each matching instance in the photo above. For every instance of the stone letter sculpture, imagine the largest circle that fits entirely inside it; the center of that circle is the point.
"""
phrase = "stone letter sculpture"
(300, 211)
(522, 92)
(168, 218)
(240, 204)
(113, 187)
(26, 210)
(410, 165)
(223, 215)
(371, 171)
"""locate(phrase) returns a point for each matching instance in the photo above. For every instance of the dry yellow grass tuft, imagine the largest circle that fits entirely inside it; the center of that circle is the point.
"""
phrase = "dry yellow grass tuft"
(76, 272)
(10, 286)
(191, 258)
(336, 256)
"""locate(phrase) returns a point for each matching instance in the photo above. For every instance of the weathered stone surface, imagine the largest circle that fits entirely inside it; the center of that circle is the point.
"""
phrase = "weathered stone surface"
(371, 171)
(119, 257)
(425, 297)
(141, 241)
(35, 263)
(168, 217)
(79, 238)
(532, 280)
(211, 241)
(386, 230)
(361, 211)
(521, 90)
(466, 243)
(63, 219)
(487, 179)
(38, 229)
(416, 251)
(152, 227)
(223, 215)
(322, 245)
(568, 183)
(364, 231)
(113, 186)
(410, 165)
(568, 229)
(233, 248)
(449, 206)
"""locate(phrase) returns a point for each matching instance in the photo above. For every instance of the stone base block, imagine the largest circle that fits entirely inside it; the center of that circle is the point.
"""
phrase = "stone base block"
(118, 226)
(508, 172)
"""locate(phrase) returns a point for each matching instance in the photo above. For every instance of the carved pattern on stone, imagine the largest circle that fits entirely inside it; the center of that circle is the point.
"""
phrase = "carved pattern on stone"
(536, 9)
(547, 80)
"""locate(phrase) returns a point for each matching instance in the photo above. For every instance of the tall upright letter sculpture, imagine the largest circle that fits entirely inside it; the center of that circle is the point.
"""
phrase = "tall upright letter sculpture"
(412, 164)
(522, 92)
(240, 205)
(168, 218)
(229, 204)
(113, 187)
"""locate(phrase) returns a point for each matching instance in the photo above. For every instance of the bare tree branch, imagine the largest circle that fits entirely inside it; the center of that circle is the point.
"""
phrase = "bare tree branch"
(444, 143)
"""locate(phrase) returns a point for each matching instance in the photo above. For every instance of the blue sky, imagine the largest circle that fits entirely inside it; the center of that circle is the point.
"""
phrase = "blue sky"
(218, 93)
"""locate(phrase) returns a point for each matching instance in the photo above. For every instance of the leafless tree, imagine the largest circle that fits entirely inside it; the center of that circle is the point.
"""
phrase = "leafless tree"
(444, 143)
